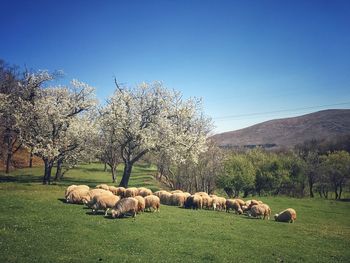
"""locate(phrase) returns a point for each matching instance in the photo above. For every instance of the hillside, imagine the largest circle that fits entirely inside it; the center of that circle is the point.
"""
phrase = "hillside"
(287, 132)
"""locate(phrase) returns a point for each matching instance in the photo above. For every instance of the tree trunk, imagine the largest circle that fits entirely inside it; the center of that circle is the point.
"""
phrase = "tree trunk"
(8, 161)
(31, 159)
(340, 191)
(58, 175)
(311, 184)
(336, 191)
(246, 193)
(126, 174)
(114, 172)
(105, 168)
(48, 168)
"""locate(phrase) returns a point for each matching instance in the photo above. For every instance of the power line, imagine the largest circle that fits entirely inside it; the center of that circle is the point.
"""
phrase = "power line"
(278, 111)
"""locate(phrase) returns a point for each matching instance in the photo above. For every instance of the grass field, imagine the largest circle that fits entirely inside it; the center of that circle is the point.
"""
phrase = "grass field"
(37, 226)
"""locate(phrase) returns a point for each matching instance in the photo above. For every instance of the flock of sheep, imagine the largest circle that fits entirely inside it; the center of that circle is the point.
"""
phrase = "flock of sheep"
(131, 201)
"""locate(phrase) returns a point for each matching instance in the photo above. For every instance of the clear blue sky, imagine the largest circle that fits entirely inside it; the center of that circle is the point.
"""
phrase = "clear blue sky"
(241, 57)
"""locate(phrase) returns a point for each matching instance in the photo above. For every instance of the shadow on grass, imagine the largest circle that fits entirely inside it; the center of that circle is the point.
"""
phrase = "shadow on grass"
(62, 200)
(24, 178)
(344, 200)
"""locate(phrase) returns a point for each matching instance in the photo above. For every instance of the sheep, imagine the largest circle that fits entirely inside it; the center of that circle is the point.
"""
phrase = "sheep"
(141, 203)
(187, 194)
(165, 198)
(178, 199)
(202, 194)
(289, 215)
(131, 192)
(104, 202)
(176, 191)
(194, 202)
(121, 191)
(220, 203)
(76, 195)
(240, 202)
(102, 186)
(207, 201)
(72, 187)
(234, 205)
(260, 210)
(158, 193)
(88, 197)
(124, 206)
(144, 191)
(152, 201)
(113, 190)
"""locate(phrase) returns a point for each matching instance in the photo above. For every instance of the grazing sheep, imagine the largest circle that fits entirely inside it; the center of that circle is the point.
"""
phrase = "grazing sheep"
(202, 194)
(141, 203)
(289, 215)
(102, 186)
(104, 202)
(152, 202)
(121, 191)
(88, 197)
(187, 194)
(72, 187)
(220, 203)
(240, 201)
(125, 206)
(144, 191)
(207, 201)
(131, 192)
(176, 191)
(76, 195)
(261, 210)
(178, 199)
(113, 190)
(158, 193)
(234, 205)
(194, 202)
(165, 198)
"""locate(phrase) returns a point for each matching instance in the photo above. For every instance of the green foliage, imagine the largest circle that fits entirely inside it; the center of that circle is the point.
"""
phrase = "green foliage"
(238, 175)
(36, 226)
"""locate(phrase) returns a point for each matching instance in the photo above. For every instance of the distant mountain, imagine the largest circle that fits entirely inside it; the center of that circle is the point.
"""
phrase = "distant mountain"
(287, 132)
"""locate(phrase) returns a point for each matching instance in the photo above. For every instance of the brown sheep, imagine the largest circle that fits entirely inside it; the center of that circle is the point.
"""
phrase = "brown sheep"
(261, 210)
(158, 193)
(178, 199)
(104, 202)
(102, 186)
(113, 190)
(131, 192)
(152, 202)
(176, 191)
(141, 203)
(88, 197)
(125, 206)
(121, 191)
(240, 201)
(207, 202)
(72, 187)
(144, 191)
(165, 198)
(76, 195)
(234, 205)
(194, 202)
(289, 215)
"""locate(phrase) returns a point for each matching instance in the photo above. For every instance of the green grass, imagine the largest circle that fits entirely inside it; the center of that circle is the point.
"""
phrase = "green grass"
(36, 226)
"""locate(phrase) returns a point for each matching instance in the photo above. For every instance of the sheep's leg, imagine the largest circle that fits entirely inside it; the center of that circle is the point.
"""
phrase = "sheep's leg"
(106, 211)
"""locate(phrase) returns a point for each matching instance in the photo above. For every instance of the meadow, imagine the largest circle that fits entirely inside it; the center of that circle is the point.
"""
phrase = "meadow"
(36, 225)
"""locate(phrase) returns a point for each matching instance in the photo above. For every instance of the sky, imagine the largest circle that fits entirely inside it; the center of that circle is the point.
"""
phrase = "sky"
(250, 61)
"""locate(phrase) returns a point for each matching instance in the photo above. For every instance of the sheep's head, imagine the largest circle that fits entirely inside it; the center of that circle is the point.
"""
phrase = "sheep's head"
(240, 211)
(115, 213)
(275, 216)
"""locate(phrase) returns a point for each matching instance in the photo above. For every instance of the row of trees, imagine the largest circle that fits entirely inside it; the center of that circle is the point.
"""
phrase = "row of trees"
(64, 125)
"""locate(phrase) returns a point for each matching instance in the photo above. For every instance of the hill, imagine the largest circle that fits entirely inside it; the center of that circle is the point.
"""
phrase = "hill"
(287, 132)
